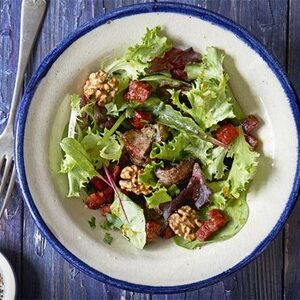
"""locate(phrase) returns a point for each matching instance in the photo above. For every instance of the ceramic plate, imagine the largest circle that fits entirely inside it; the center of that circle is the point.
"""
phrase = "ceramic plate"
(261, 88)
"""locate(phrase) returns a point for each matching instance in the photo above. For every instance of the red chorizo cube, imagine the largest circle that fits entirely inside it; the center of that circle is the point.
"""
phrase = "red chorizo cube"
(140, 119)
(217, 220)
(227, 133)
(138, 91)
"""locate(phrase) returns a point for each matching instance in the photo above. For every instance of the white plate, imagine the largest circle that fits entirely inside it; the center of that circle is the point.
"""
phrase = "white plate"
(259, 85)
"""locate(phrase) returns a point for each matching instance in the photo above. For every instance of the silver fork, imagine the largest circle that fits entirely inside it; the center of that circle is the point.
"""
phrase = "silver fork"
(32, 13)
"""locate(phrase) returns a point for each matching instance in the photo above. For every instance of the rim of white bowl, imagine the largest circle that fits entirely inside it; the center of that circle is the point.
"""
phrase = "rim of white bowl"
(127, 11)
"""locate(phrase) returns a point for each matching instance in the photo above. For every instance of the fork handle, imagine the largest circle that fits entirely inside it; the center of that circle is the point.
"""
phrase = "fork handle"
(32, 13)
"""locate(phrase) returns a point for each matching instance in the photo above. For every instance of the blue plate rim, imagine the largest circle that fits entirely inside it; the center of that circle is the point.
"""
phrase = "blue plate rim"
(165, 7)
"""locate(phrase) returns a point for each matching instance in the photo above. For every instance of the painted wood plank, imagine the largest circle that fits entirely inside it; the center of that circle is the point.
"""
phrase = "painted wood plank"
(11, 225)
(292, 253)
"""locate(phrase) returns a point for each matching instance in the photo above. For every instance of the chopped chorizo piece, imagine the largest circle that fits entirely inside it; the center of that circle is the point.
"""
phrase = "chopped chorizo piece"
(250, 124)
(226, 134)
(138, 91)
(98, 199)
(217, 220)
(176, 174)
(167, 233)
(153, 229)
(138, 144)
(140, 119)
(251, 140)
(95, 200)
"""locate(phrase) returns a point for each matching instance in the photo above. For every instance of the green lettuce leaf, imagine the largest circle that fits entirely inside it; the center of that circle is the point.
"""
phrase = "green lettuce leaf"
(114, 221)
(199, 149)
(212, 64)
(173, 190)
(211, 69)
(190, 245)
(113, 110)
(137, 58)
(158, 197)
(183, 146)
(75, 128)
(100, 148)
(77, 165)
(148, 177)
(243, 167)
(173, 150)
(103, 147)
(193, 70)
(82, 159)
(215, 167)
(92, 149)
(172, 118)
(208, 100)
(134, 226)
(112, 149)
(217, 199)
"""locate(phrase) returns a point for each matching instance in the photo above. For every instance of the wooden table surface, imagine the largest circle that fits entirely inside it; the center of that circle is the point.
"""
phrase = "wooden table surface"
(41, 272)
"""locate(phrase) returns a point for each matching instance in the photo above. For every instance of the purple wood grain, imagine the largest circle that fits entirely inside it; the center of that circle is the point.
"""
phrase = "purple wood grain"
(42, 272)
(292, 253)
(11, 225)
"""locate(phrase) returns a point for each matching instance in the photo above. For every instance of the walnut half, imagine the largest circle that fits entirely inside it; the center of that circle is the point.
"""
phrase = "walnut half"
(185, 222)
(130, 181)
(100, 87)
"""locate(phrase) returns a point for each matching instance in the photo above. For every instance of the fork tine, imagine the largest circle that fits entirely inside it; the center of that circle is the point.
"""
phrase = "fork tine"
(1, 161)
(9, 191)
(5, 174)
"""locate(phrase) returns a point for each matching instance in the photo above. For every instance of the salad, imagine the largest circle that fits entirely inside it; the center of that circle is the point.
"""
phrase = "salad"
(158, 144)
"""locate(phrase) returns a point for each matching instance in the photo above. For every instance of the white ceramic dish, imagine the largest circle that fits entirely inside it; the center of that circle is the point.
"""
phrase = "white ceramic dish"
(9, 283)
(258, 83)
